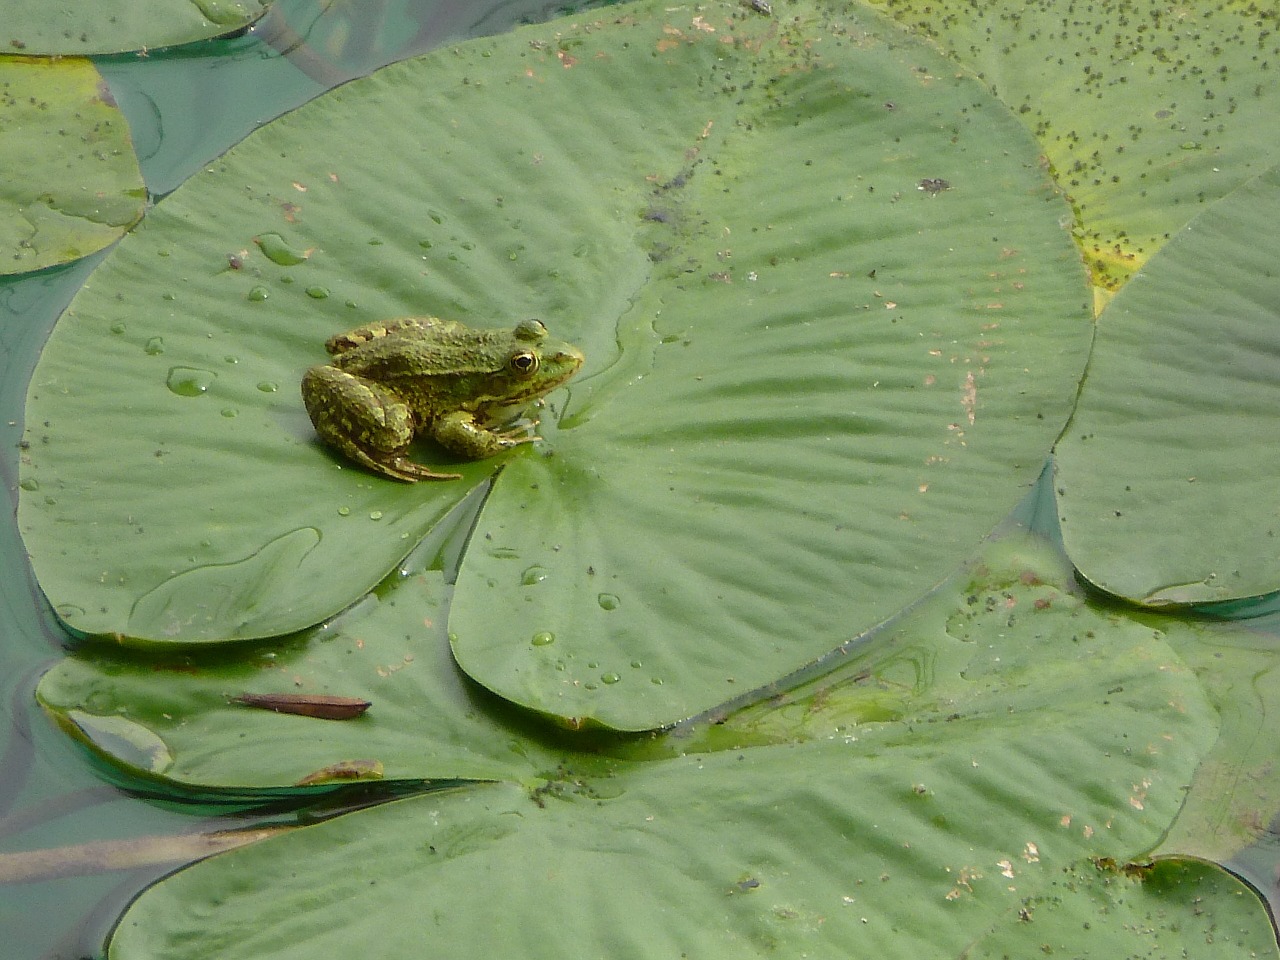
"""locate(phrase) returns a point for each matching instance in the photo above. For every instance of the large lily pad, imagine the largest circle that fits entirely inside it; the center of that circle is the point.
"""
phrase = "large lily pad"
(844, 832)
(72, 183)
(1145, 110)
(84, 27)
(1167, 475)
(812, 385)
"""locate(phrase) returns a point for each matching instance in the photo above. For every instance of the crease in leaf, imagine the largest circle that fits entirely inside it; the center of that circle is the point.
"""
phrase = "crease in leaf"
(240, 593)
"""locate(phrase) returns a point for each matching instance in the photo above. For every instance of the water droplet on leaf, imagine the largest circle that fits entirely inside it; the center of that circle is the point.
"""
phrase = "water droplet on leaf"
(318, 293)
(609, 678)
(266, 386)
(189, 381)
(608, 601)
(543, 638)
(258, 294)
(534, 574)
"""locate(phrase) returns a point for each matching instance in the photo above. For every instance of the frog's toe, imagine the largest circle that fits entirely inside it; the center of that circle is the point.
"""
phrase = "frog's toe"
(402, 468)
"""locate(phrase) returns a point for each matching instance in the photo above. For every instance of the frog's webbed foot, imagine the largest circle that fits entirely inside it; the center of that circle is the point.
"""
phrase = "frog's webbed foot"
(365, 423)
(402, 468)
(464, 435)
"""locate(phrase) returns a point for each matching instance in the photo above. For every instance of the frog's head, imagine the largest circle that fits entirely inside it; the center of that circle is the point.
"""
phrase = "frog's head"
(536, 364)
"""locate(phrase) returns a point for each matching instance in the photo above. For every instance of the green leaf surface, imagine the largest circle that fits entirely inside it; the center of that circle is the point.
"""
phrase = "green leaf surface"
(946, 826)
(1236, 792)
(802, 367)
(82, 27)
(426, 721)
(1166, 476)
(72, 183)
(1146, 111)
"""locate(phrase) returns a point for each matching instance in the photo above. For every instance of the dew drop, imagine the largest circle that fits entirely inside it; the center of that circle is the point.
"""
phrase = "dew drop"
(425, 244)
(637, 664)
(266, 386)
(189, 381)
(258, 294)
(375, 514)
(609, 678)
(437, 217)
(318, 293)
(344, 511)
(543, 638)
(608, 601)
(230, 359)
(230, 412)
(532, 575)
(31, 484)
(119, 327)
(154, 346)
(170, 296)
(656, 681)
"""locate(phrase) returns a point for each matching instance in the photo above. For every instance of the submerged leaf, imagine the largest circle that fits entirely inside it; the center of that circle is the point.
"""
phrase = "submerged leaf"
(52, 213)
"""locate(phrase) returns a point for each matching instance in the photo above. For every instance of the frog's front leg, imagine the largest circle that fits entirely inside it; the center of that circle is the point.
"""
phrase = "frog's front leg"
(364, 421)
(462, 433)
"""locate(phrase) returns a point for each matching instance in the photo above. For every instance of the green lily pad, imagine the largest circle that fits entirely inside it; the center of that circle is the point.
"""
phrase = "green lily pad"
(425, 721)
(831, 318)
(82, 27)
(1166, 477)
(55, 212)
(971, 813)
(1145, 111)
(1235, 795)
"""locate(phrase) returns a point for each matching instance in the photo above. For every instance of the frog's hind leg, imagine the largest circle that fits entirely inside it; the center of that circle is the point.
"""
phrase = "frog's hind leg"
(364, 422)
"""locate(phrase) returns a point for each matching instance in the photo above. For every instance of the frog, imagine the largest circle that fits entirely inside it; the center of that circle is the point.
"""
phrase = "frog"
(391, 382)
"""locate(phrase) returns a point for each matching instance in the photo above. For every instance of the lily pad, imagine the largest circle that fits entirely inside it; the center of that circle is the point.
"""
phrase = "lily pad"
(831, 317)
(1145, 111)
(73, 184)
(82, 27)
(1009, 770)
(425, 720)
(1166, 477)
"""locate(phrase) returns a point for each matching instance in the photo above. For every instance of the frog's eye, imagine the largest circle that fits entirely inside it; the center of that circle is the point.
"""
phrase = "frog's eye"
(523, 363)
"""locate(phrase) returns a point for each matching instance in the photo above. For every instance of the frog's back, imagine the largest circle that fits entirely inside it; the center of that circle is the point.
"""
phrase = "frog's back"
(447, 351)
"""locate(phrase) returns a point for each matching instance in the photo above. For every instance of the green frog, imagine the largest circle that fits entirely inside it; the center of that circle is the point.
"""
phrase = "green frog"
(390, 382)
